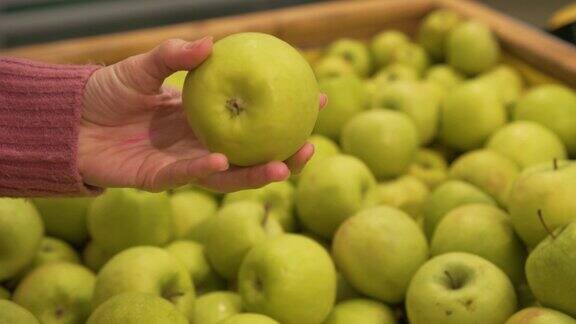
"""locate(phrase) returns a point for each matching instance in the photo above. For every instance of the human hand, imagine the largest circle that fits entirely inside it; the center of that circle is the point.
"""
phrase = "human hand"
(134, 132)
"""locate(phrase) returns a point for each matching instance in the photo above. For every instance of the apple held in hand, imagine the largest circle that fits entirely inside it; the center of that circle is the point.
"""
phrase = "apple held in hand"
(290, 278)
(460, 288)
(540, 315)
(255, 99)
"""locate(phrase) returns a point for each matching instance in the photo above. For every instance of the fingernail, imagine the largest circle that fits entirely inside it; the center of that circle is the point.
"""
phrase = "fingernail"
(195, 44)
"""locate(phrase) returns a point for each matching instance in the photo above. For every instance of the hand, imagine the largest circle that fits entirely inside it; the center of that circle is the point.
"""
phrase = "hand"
(134, 132)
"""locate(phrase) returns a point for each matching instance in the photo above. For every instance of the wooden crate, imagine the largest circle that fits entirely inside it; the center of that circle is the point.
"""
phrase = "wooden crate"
(318, 24)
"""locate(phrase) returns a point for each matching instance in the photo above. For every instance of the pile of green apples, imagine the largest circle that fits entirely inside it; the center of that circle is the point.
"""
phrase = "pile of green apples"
(441, 191)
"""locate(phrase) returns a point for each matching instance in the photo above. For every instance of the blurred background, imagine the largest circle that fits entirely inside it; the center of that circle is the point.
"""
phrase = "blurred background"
(25, 22)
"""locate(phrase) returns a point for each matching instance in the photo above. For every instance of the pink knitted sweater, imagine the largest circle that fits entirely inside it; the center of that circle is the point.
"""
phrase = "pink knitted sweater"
(40, 107)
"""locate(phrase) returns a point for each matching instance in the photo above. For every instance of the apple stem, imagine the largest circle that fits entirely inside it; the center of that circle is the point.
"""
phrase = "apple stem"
(235, 106)
(452, 283)
(541, 217)
(555, 163)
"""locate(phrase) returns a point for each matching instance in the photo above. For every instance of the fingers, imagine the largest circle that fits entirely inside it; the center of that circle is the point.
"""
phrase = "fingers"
(186, 171)
(323, 100)
(246, 177)
(297, 161)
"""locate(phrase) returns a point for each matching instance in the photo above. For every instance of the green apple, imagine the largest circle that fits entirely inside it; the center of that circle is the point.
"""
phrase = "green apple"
(250, 82)
(549, 188)
(58, 292)
(460, 288)
(4, 293)
(540, 315)
(435, 29)
(467, 229)
(12, 313)
(354, 52)
(21, 231)
(123, 217)
(290, 278)
(190, 211)
(236, 229)
(94, 257)
(507, 82)
(384, 44)
(378, 250)
(550, 269)
(192, 256)
(137, 308)
(472, 48)
(387, 141)
(176, 80)
(430, 167)
(444, 75)
(331, 191)
(248, 318)
(415, 100)
(277, 197)
(146, 269)
(527, 143)
(469, 114)
(344, 290)
(553, 106)
(65, 218)
(332, 66)
(348, 97)
(363, 311)
(323, 147)
(395, 72)
(406, 193)
(216, 306)
(448, 196)
(490, 171)
(412, 55)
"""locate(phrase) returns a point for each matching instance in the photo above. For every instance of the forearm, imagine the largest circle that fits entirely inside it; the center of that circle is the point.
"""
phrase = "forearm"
(40, 107)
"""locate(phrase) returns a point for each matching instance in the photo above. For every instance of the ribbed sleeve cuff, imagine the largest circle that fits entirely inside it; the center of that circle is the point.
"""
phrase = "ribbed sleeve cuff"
(40, 111)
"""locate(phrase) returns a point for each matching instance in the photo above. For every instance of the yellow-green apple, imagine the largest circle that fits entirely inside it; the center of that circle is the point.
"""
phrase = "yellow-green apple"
(191, 211)
(214, 307)
(65, 218)
(386, 140)
(146, 269)
(550, 269)
(384, 44)
(469, 114)
(137, 308)
(58, 292)
(323, 147)
(444, 75)
(348, 97)
(12, 313)
(527, 143)
(124, 217)
(448, 196)
(191, 255)
(483, 230)
(472, 48)
(507, 82)
(332, 66)
(94, 257)
(255, 99)
(430, 167)
(290, 278)
(378, 250)
(236, 229)
(434, 31)
(540, 315)
(412, 55)
(395, 72)
(176, 80)
(277, 197)
(331, 191)
(21, 231)
(365, 311)
(546, 189)
(553, 106)
(460, 288)
(248, 318)
(354, 52)
(490, 171)
(415, 100)
(406, 193)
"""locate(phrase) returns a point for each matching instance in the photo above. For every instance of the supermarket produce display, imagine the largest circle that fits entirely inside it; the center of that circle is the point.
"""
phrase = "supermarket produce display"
(441, 191)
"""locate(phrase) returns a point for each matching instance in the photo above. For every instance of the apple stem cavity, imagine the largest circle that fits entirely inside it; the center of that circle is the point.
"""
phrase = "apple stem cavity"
(453, 284)
(555, 164)
(541, 217)
(235, 106)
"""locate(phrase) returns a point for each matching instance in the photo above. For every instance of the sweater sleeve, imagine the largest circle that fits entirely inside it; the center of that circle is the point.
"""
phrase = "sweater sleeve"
(40, 109)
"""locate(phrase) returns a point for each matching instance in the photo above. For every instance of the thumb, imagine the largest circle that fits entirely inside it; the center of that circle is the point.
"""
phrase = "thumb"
(171, 56)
